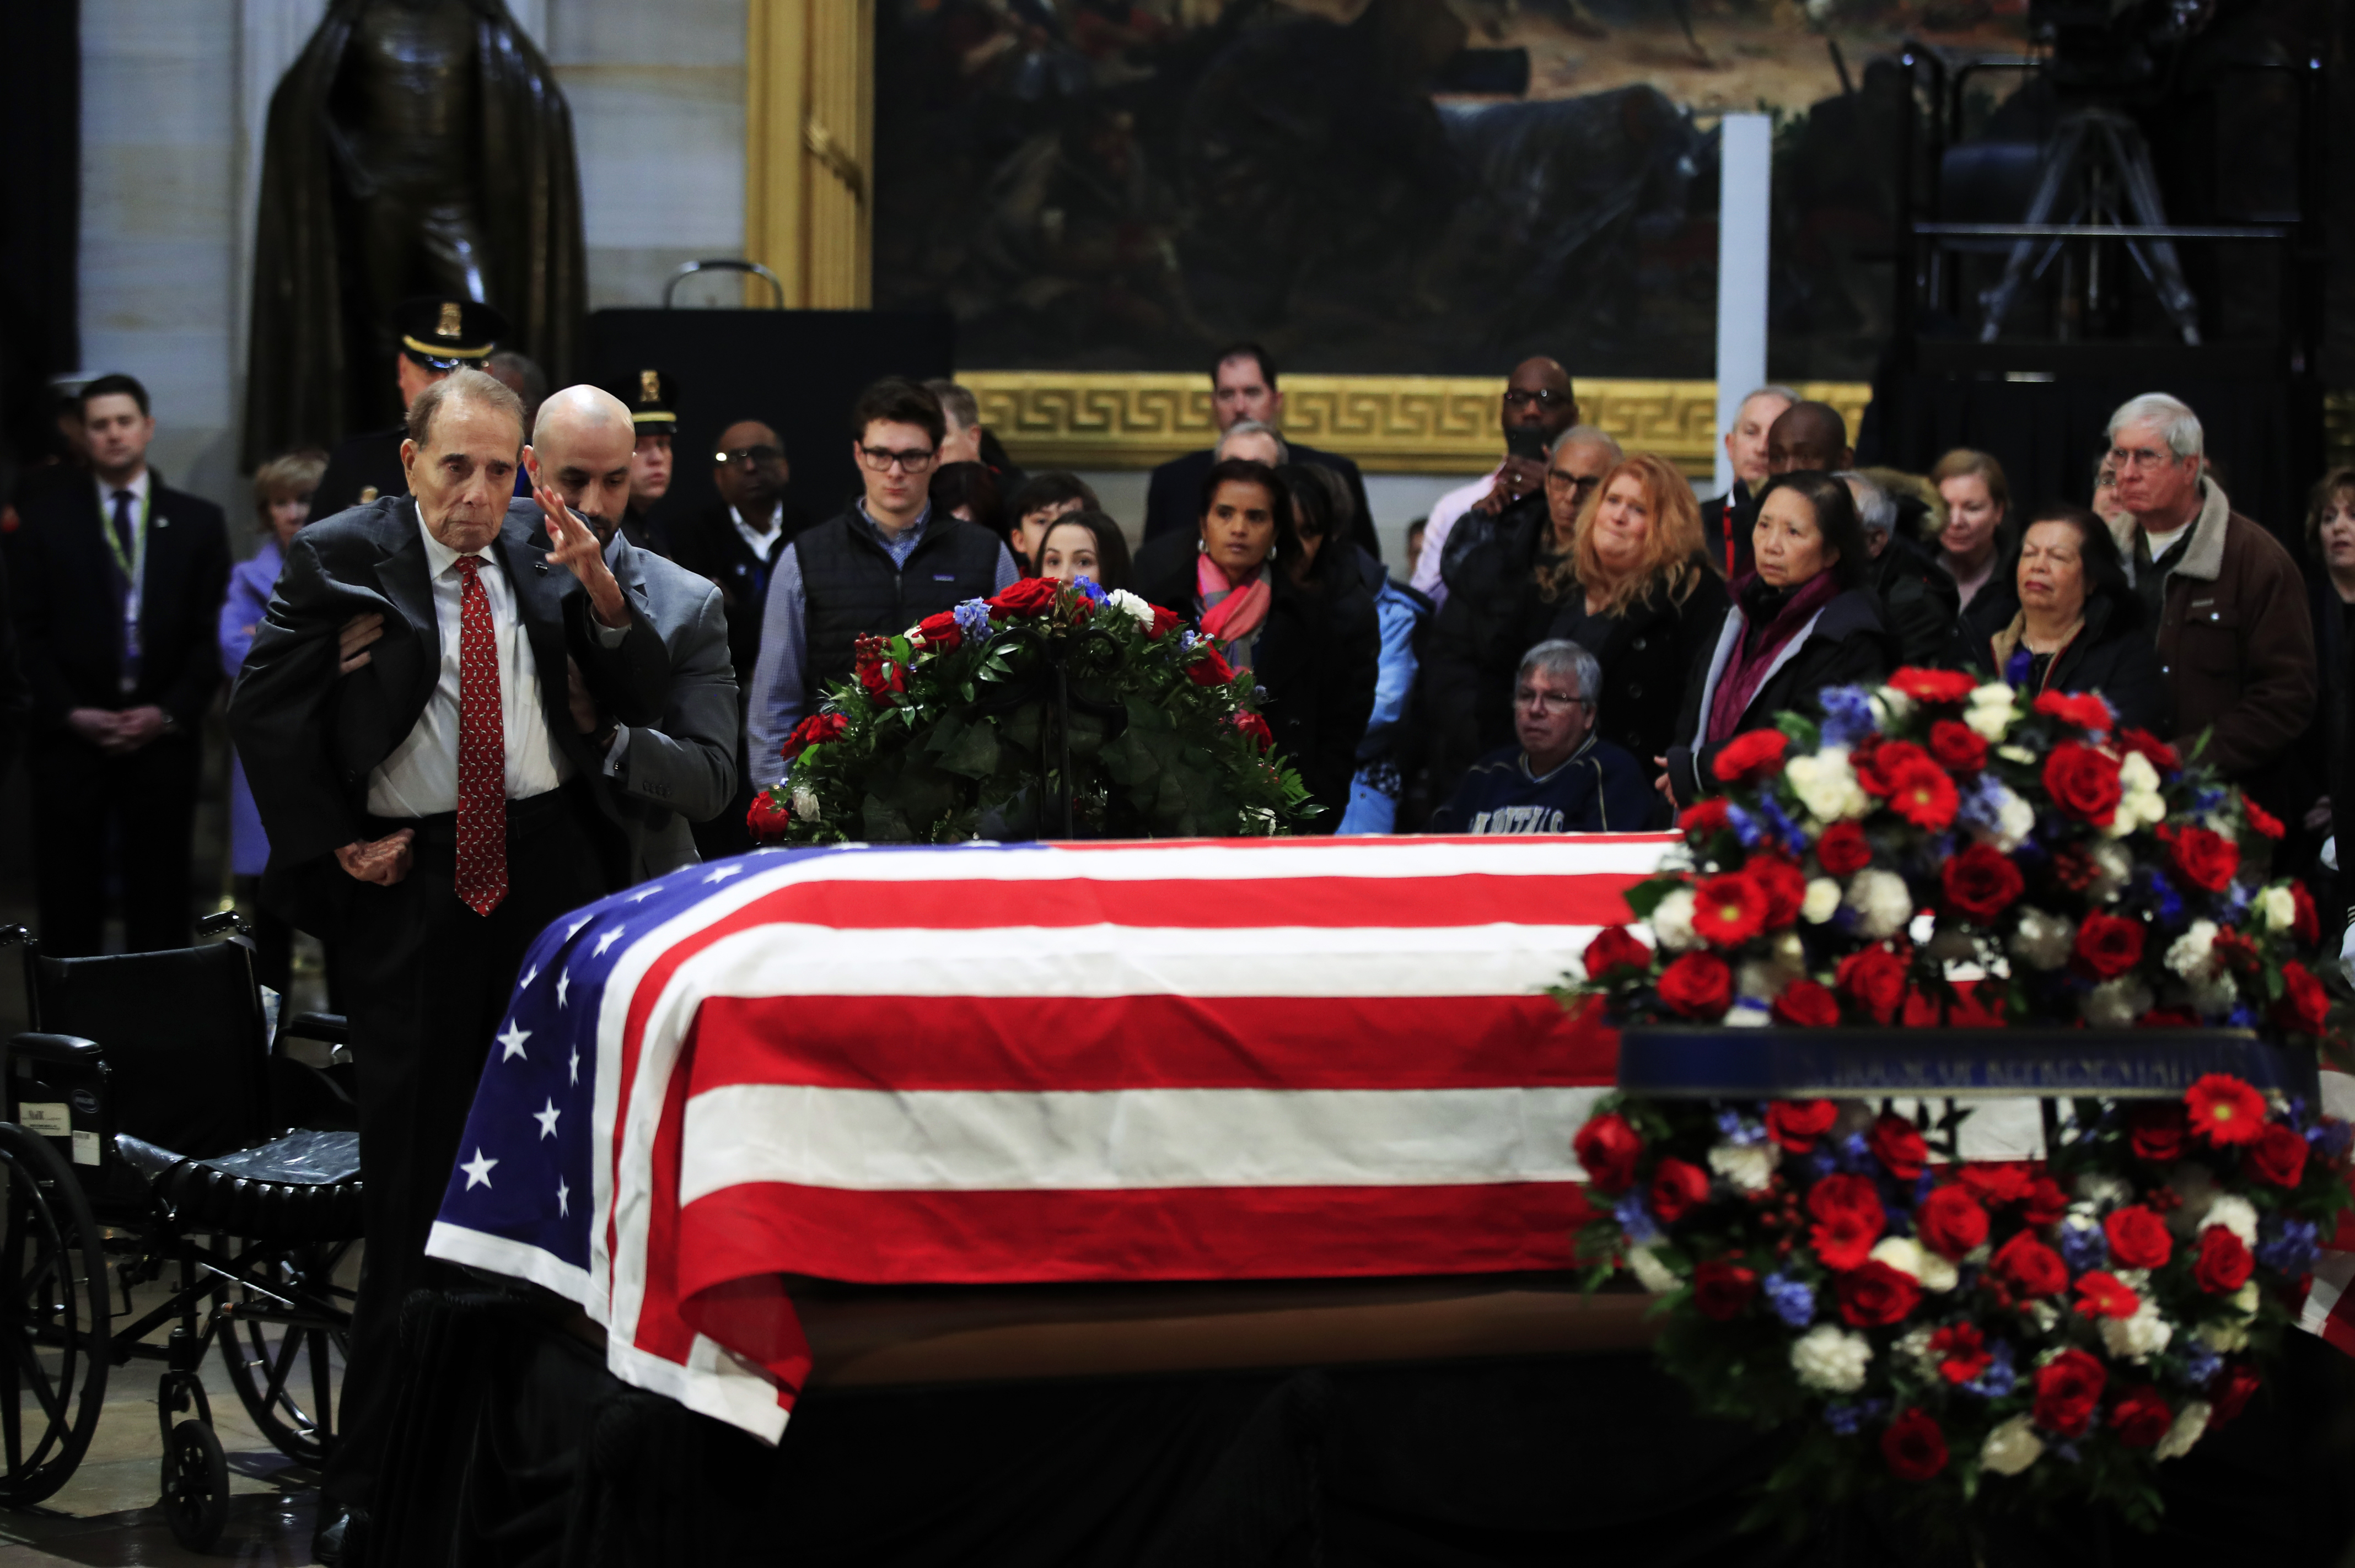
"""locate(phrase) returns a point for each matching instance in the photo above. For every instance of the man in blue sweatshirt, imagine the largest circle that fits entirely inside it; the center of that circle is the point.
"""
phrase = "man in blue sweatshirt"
(1561, 778)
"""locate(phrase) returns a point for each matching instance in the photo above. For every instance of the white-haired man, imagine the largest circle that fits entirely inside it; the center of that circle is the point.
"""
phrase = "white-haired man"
(2234, 640)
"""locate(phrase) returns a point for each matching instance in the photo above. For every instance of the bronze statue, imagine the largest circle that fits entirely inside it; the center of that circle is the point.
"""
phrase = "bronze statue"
(416, 147)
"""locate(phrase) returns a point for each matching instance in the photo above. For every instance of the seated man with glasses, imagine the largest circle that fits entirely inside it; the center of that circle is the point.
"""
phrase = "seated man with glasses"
(1538, 398)
(876, 569)
(1558, 776)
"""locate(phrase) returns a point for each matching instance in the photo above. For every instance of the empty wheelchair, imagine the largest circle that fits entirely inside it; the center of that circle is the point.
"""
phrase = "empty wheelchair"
(158, 1131)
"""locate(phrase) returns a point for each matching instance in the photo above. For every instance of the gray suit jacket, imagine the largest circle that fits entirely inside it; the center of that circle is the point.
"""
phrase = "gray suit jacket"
(682, 767)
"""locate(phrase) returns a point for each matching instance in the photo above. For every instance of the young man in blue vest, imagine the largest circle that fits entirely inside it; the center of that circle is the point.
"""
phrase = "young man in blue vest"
(876, 569)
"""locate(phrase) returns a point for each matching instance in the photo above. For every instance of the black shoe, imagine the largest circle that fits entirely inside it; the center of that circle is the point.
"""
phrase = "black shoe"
(341, 1539)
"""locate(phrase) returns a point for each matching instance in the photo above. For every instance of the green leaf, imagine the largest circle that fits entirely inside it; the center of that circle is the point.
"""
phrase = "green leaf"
(974, 751)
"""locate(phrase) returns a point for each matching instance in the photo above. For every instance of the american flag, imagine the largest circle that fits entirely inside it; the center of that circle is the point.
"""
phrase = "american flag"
(1002, 1064)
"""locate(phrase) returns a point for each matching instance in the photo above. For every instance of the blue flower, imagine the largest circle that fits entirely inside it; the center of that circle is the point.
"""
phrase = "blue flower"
(2207, 800)
(2330, 1138)
(1820, 1165)
(1745, 827)
(2291, 1246)
(1999, 1380)
(1848, 714)
(1793, 840)
(972, 620)
(2016, 668)
(1090, 589)
(2165, 902)
(1854, 1153)
(1736, 1131)
(2236, 902)
(1843, 1418)
(1980, 806)
(1793, 1301)
(1635, 1219)
(2200, 1365)
(2083, 1248)
(2066, 1450)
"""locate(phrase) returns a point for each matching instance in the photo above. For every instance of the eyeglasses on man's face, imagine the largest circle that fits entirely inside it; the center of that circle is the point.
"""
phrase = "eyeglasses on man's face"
(881, 459)
(749, 457)
(1542, 698)
(1539, 398)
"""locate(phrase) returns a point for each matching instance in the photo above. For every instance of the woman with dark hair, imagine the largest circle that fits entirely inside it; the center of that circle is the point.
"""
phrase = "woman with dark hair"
(2330, 600)
(2071, 621)
(1310, 639)
(1085, 543)
(1803, 619)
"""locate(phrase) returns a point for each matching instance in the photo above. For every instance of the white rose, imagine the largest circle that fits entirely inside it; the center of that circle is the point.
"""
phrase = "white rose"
(2103, 1192)
(2236, 1214)
(1913, 1348)
(1988, 714)
(1884, 903)
(2224, 1338)
(1830, 1358)
(1672, 921)
(2194, 954)
(2043, 1314)
(2015, 819)
(2244, 1299)
(1135, 609)
(2138, 1337)
(2137, 776)
(1822, 901)
(2278, 907)
(2111, 867)
(2018, 754)
(2042, 941)
(805, 802)
(1826, 785)
(2012, 1446)
(2189, 1423)
(1748, 1166)
(1917, 1263)
(2136, 809)
(1650, 1273)
(2114, 1004)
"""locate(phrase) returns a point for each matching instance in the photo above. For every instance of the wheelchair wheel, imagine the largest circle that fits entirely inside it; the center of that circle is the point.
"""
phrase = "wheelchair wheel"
(195, 1486)
(286, 1346)
(54, 1320)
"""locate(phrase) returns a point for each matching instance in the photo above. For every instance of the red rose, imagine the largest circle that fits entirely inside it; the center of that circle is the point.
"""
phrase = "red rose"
(1678, 1187)
(1751, 757)
(2068, 1387)
(2157, 1130)
(1842, 850)
(2101, 1294)
(1209, 667)
(1875, 979)
(1899, 1146)
(1914, 1447)
(2081, 710)
(1796, 1124)
(2238, 953)
(1848, 1220)
(1935, 685)
(2138, 1237)
(1872, 1295)
(2229, 1390)
(1806, 1004)
(1607, 1149)
(940, 633)
(1254, 729)
(1030, 595)
(1722, 1289)
(1613, 949)
(2263, 820)
(1922, 794)
(883, 678)
(1727, 910)
(2029, 1268)
(2223, 1263)
(1981, 883)
(2224, 1110)
(1877, 766)
(2205, 859)
(2108, 945)
(2304, 1006)
(768, 819)
(1164, 622)
(2044, 1204)
(2303, 923)
(1697, 985)
(1961, 1350)
(1997, 1183)
(2278, 1156)
(1957, 748)
(1705, 817)
(814, 730)
(2140, 1417)
(2152, 749)
(2083, 782)
(1784, 885)
(1950, 1223)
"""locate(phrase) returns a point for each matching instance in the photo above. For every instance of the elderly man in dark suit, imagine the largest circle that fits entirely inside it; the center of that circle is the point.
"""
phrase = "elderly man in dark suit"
(116, 583)
(432, 801)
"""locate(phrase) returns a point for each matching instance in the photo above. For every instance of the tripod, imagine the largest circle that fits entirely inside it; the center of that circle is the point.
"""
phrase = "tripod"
(2102, 155)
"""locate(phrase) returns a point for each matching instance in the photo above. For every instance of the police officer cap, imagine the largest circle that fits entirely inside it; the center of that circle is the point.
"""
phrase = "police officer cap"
(442, 333)
(653, 399)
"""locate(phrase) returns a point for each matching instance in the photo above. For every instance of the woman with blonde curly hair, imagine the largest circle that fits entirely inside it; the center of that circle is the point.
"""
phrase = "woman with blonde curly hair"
(1636, 587)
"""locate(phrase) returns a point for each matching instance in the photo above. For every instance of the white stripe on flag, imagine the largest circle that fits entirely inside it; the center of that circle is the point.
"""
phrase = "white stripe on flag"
(1568, 854)
(2333, 1271)
(975, 1141)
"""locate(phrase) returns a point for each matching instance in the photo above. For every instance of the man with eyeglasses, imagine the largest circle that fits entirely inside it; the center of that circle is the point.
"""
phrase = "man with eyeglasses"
(876, 569)
(1538, 398)
(1244, 387)
(1558, 776)
(2226, 606)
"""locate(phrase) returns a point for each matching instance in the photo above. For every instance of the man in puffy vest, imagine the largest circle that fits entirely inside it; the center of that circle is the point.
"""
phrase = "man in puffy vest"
(876, 569)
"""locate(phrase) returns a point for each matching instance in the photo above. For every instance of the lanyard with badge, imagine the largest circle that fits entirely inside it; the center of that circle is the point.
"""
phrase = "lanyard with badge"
(133, 565)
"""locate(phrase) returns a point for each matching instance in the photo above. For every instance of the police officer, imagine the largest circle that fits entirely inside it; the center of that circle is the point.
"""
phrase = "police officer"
(652, 397)
(437, 335)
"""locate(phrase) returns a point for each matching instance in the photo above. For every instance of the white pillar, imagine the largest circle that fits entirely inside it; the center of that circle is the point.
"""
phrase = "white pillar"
(1745, 164)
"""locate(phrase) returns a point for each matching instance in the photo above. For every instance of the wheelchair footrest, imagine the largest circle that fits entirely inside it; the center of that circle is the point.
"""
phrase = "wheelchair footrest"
(304, 1187)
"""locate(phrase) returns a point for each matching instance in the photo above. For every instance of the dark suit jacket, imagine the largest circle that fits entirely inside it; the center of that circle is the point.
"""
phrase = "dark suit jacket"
(706, 544)
(682, 767)
(309, 736)
(67, 594)
(1729, 548)
(1173, 501)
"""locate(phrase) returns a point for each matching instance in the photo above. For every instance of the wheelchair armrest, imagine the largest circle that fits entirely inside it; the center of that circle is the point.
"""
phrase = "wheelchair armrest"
(328, 1028)
(68, 1048)
(224, 920)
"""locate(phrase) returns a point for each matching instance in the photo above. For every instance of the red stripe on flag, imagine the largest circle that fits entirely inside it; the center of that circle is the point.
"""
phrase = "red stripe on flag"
(2338, 1327)
(1206, 1233)
(1037, 1043)
(1245, 846)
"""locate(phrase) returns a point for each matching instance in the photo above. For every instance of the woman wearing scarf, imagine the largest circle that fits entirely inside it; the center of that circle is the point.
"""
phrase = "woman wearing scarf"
(1309, 637)
(1803, 620)
(2069, 621)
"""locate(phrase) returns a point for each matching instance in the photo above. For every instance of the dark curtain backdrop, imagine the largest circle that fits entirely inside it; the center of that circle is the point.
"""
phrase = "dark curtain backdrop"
(40, 216)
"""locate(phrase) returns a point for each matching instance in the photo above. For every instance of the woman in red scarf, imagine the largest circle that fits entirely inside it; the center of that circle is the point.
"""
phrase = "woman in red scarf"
(1804, 619)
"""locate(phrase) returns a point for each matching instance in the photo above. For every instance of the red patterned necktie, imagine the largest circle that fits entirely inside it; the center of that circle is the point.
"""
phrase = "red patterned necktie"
(482, 751)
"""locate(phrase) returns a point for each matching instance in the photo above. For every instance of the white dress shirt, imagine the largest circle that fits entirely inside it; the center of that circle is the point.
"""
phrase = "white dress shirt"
(419, 779)
(763, 545)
